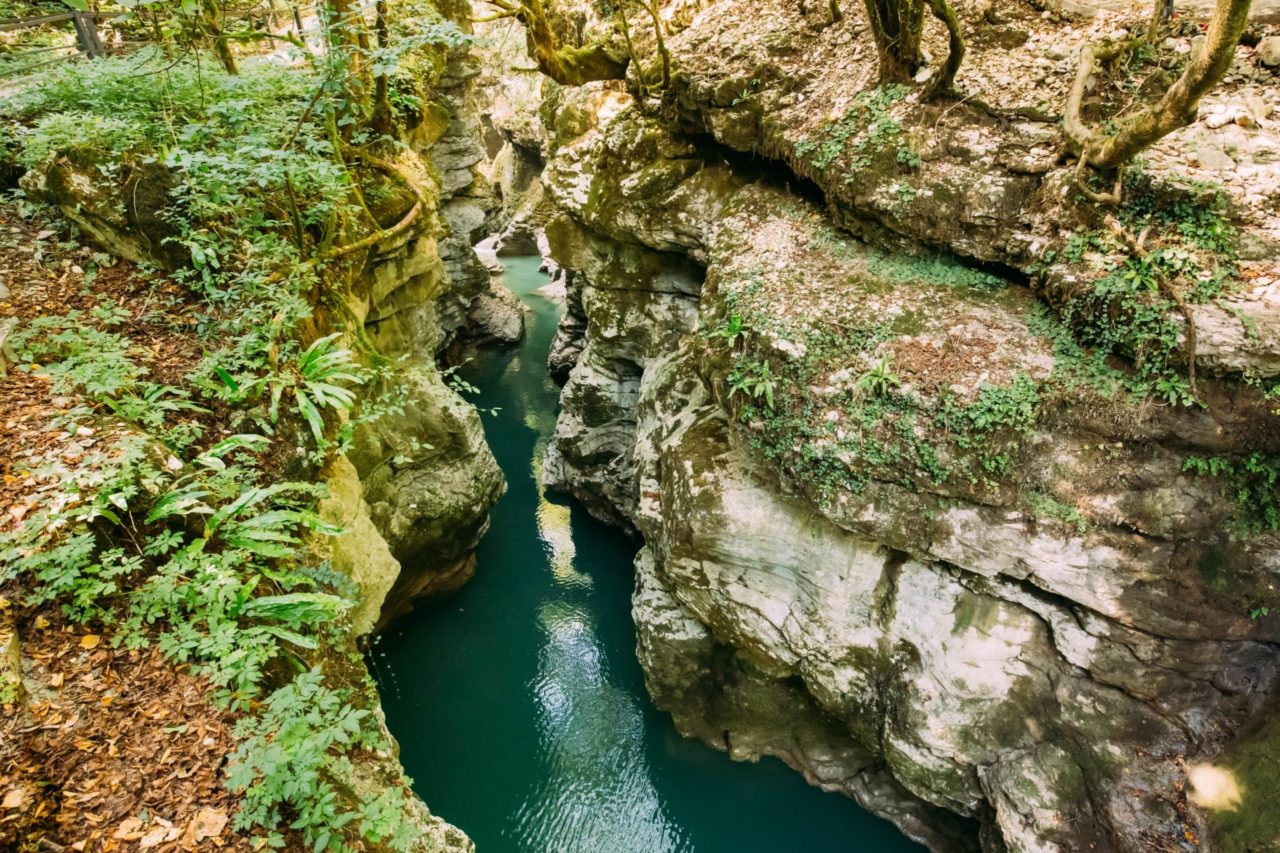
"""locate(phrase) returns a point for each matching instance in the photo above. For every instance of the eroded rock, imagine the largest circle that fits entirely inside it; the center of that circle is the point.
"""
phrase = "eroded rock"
(1039, 652)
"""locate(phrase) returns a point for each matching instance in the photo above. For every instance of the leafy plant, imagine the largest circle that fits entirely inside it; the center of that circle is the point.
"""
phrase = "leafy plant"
(318, 381)
(1048, 506)
(755, 379)
(1253, 480)
(866, 129)
(880, 379)
(292, 755)
(323, 369)
(732, 331)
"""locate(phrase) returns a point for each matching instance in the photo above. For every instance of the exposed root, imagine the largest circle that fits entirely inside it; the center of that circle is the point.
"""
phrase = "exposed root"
(944, 83)
(1113, 198)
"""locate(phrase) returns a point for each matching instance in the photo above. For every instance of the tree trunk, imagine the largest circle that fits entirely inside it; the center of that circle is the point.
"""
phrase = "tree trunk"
(381, 120)
(1180, 103)
(567, 65)
(651, 7)
(221, 46)
(944, 83)
(350, 40)
(897, 26)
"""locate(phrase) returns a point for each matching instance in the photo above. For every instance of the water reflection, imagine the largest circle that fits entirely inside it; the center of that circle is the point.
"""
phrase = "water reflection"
(554, 531)
(521, 710)
(596, 793)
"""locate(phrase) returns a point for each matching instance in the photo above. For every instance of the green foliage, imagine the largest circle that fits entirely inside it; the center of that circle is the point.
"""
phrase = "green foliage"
(1047, 506)
(863, 132)
(167, 538)
(755, 379)
(318, 380)
(78, 356)
(250, 186)
(879, 379)
(1253, 480)
(997, 408)
(201, 559)
(874, 427)
(935, 269)
(732, 331)
(1190, 247)
(295, 753)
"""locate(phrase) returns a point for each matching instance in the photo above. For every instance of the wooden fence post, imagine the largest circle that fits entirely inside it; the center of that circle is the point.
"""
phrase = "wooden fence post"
(87, 33)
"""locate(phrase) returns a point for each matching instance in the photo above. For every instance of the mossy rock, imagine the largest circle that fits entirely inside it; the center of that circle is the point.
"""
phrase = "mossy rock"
(125, 216)
(1236, 793)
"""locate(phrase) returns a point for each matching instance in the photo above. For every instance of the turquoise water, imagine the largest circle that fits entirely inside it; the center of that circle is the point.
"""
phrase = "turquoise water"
(518, 702)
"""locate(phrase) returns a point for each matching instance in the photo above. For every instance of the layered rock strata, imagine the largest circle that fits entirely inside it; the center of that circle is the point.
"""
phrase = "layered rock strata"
(1012, 636)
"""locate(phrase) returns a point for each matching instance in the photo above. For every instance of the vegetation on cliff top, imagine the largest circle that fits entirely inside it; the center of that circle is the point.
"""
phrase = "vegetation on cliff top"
(170, 502)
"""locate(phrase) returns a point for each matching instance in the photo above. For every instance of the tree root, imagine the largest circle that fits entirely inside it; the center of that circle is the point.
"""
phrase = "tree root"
(1112, 198)
(332, 253)
(944, 83)
(1176, 108)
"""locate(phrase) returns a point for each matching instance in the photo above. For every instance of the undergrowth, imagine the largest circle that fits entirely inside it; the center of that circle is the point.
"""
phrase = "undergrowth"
(873, 428)
(865, 133)
(1252, 480)
(1155, 247)
(170, 530)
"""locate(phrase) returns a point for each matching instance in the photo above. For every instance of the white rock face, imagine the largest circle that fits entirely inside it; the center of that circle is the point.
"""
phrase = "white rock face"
(944, 655)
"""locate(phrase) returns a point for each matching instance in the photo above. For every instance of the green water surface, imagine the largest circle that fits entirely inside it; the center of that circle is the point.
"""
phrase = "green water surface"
(519, 704)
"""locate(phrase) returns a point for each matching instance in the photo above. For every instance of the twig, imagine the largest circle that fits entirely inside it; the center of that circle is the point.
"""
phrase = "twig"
(1138, 247)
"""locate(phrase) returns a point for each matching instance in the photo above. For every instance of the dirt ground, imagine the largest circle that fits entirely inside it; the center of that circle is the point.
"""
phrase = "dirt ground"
(106, 749)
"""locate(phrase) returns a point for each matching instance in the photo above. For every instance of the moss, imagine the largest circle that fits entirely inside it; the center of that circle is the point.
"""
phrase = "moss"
(436, 120)
(976, 612)
(1254, 825)
(359, 552)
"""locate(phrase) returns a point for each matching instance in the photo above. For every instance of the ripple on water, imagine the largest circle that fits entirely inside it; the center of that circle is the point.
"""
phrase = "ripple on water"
(519, 705)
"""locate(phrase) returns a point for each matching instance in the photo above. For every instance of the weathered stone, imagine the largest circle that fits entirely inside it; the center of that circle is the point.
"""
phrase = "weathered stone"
(429, 478)
(946, 656)
(359, 551)
(1268, 51)
(496, 316)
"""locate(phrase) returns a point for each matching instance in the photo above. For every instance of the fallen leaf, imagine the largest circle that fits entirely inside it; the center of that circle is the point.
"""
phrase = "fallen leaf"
(90, 641)
(16, 798)
(210, 822)
(130, 829)
(154, 837)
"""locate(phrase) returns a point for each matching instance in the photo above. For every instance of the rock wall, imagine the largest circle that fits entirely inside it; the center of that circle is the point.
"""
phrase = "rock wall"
(1025, 637)
(428, 475)
(983, 177)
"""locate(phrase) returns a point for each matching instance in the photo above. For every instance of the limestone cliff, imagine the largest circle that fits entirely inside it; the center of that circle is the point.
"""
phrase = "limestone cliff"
(900, 531)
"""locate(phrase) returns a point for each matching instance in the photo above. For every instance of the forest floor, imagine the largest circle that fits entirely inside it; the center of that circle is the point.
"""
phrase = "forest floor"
(1023, 64)
(105, 748)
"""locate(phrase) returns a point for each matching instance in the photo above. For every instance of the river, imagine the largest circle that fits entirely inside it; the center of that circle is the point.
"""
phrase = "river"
(519, 704)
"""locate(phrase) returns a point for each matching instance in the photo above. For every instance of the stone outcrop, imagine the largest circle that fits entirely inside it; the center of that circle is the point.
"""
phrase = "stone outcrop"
(1009, 637)
(476, 306)
(513, 91)
(984, 177)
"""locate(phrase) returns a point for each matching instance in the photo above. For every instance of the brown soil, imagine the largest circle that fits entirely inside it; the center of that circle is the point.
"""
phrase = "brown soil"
(107, 749)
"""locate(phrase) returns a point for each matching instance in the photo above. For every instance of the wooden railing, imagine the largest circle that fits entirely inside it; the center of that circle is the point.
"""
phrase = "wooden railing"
(87, 43)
